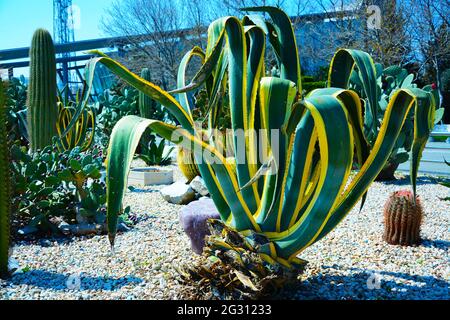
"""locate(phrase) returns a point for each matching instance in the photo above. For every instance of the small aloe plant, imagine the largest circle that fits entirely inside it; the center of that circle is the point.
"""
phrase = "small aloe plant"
(156, 154)
(301, 189)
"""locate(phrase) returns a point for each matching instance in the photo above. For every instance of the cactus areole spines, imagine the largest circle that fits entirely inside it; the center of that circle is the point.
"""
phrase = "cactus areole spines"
(42, 92)
(5, 188)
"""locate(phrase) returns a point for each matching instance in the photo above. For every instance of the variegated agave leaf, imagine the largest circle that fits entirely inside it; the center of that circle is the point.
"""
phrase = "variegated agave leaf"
(312, 190)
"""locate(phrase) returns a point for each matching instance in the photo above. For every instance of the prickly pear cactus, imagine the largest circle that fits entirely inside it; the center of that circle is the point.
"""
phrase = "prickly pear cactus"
(5, 188)
(42, 91)
(402, 219)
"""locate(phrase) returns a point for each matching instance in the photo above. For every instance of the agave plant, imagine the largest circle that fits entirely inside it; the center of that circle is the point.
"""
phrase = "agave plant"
(82, 132)
(285, 202)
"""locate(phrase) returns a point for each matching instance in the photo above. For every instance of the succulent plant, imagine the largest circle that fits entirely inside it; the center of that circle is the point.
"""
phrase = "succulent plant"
(386, 82)
(402, 219)
(49, 183)
(80, 168)
(112, 105)
(236, 272)
(42, 91)
(307, 190)
(150, 109)
(82, 130)
(5, 187)
(186, 163)
(155, 154)
(81, 134)
(16, 96)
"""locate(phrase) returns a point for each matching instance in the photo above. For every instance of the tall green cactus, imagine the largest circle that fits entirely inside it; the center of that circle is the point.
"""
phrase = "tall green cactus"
(5, 187)
(149, 109)
(42, 92)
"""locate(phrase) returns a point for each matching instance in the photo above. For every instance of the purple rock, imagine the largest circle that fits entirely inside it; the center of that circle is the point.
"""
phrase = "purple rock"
(193, 219)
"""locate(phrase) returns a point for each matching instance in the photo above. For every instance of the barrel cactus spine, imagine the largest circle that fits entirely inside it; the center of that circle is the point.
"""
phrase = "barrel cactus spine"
(42, 92)
(5, 188)
(402, 219)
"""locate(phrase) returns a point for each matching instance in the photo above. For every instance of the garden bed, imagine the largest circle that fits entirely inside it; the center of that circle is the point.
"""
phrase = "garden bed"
(141, 266)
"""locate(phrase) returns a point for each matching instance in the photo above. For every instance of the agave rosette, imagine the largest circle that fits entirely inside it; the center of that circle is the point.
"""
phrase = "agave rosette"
(309, 193)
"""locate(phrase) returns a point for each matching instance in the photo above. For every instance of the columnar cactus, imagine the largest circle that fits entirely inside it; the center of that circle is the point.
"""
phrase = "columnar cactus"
(402, 219)
(42, 92)
(5, 188)
(147, 109)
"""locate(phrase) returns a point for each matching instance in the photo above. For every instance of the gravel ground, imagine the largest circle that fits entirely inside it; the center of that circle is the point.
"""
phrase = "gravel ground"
(351, 263)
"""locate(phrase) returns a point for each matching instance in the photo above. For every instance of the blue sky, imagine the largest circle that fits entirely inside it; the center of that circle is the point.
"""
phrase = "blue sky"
(19, 19)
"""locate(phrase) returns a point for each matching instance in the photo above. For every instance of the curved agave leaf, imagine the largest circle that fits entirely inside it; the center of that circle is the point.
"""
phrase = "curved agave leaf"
(424, 113)
(256, 38)
(299, 172)
(124, 140)
(343, 64)
(353, 105)
(216, 36)
(181, 80)
(395, 116)
(341, 68)
(268, 29)
(307, 196)
(77, 135)
(277, 96)
(336, 155)
(287, 49)
(148, 88)
(218, 90)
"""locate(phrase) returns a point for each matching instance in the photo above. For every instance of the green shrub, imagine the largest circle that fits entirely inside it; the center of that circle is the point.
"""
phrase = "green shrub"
(310, 86)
